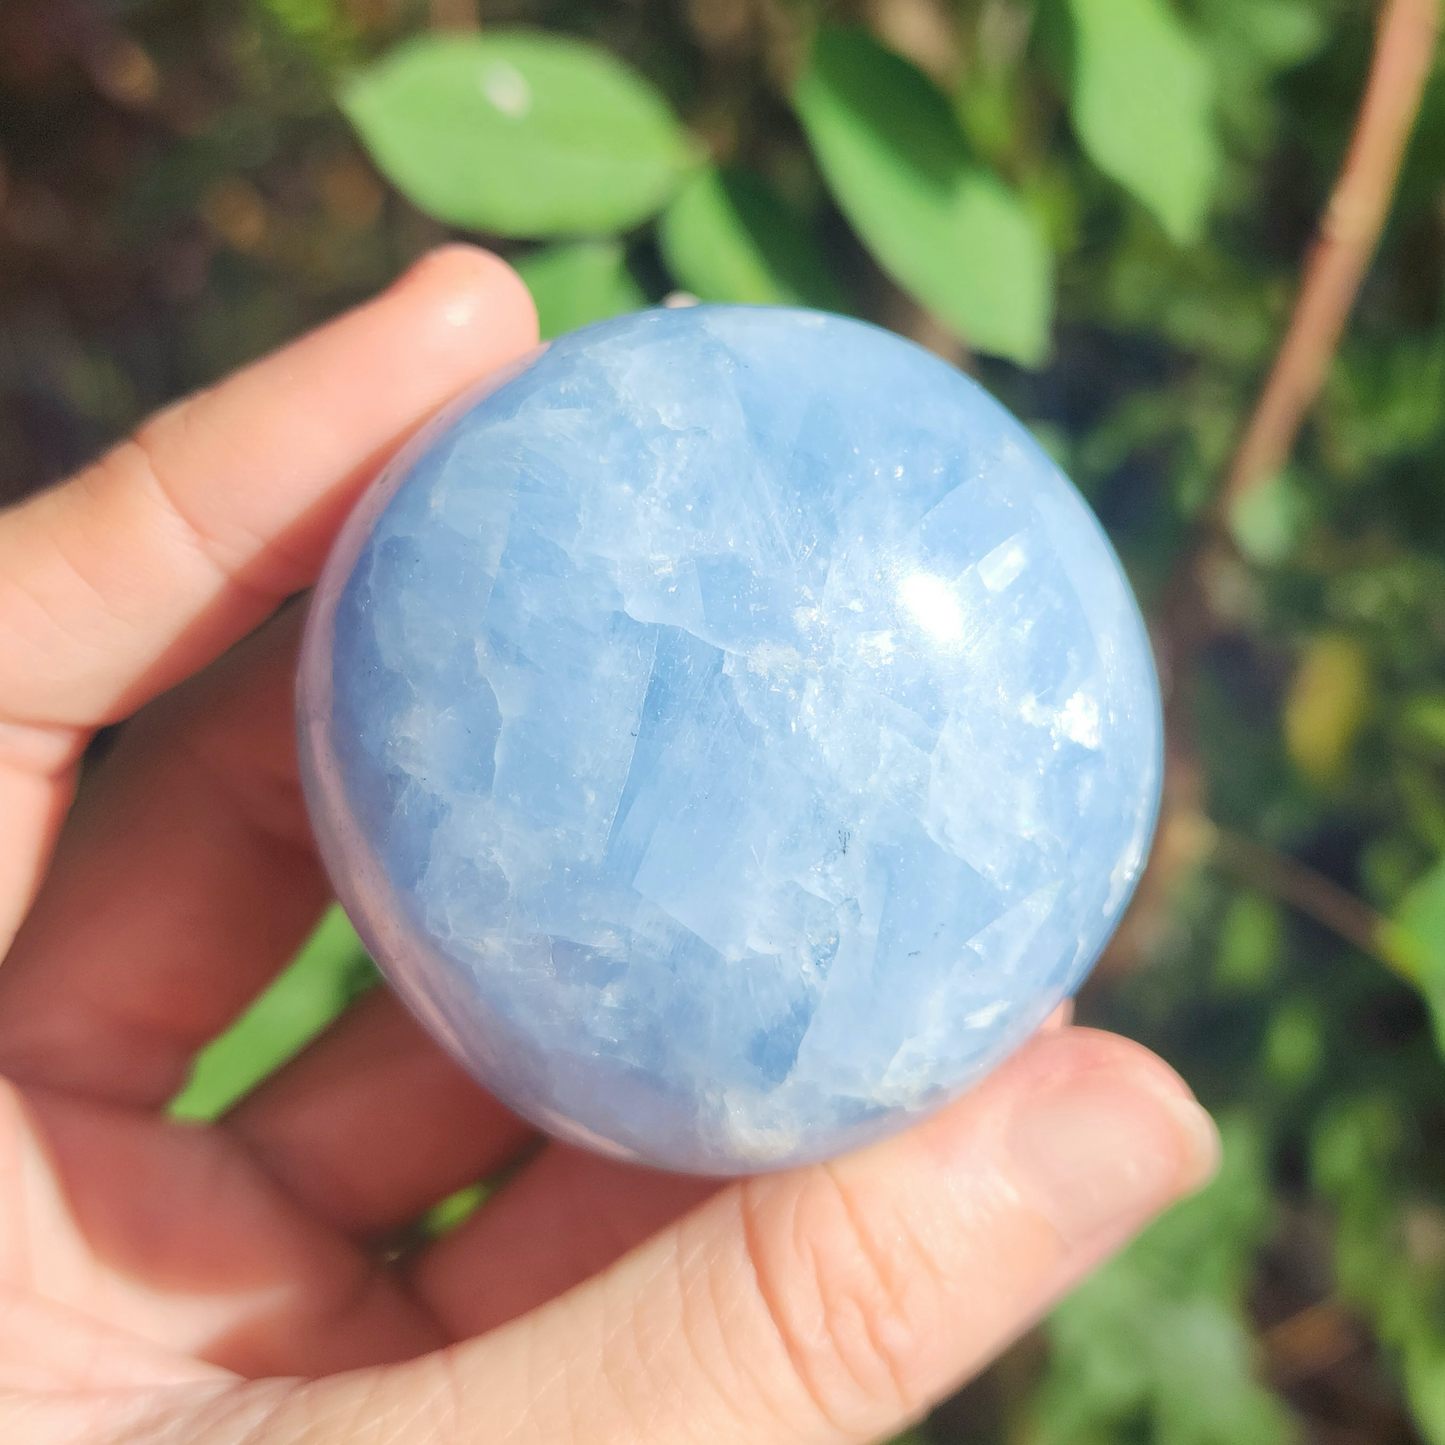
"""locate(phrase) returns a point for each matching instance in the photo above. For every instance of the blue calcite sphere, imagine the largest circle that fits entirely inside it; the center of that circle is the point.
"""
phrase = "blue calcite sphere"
(731, 733)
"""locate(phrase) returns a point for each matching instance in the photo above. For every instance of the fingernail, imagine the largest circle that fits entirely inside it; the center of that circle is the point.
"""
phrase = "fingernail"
(1104, 1151)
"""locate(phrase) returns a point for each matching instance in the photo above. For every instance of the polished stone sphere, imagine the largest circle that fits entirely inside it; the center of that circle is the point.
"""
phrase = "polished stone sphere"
(731, 734)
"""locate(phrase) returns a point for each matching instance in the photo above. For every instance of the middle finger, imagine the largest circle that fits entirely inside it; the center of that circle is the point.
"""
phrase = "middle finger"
(186, 879)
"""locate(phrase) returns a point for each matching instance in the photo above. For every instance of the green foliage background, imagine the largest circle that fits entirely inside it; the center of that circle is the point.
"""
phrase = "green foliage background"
(1098, 207)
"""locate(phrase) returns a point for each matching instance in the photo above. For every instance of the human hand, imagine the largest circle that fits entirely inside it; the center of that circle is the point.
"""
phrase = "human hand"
(162, 1282)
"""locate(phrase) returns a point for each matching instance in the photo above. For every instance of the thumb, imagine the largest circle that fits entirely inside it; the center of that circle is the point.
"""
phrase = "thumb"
(829, 1304)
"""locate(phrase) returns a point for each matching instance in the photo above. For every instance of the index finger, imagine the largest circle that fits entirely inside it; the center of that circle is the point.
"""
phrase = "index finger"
(133, 574)
(142, 568)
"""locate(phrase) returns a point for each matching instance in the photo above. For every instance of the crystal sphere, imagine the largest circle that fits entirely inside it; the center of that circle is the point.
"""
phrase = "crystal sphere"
(731, 734)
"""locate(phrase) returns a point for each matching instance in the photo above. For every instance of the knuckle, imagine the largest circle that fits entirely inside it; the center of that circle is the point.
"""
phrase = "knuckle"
(855, 1296)
(142, 460)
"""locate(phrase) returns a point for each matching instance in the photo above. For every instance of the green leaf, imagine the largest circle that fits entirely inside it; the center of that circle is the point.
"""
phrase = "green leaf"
(1280, 33)
(1269, 520)
(1382, 401)
(727, 237)
(1330, 697)
(578, 283)
(519, 133)
(1388, 1260)
(1294, 1044)
(1352, 1146)
(1425, 1383)
(453, 1211)
(319, 26)
(1250, 42)
(1251, 939)
(945, 228)
(1143, 95)
(329, 972)
(1423, 718)
(1420, 790)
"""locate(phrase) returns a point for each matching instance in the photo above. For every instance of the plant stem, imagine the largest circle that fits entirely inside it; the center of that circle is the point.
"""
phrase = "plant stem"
(1317, 897)
(1348, 233)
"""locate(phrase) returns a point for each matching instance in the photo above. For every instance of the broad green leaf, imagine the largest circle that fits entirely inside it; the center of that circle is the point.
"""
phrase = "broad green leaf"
(578, 283)
(519, 133)
(329, 972)
(1143, 95)
(1250, 42)
(945, 228)
(1279, 33)
(727, 237)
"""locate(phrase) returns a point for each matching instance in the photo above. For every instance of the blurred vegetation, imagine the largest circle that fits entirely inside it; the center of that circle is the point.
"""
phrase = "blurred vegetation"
(1099, 208)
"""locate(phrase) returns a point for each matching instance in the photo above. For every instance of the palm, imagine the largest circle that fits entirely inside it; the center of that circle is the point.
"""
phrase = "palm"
(176, 1235)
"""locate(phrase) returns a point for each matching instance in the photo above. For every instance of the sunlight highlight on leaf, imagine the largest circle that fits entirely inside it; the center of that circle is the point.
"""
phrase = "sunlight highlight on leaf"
(1143, 96)
(520, 133)
(947, 229)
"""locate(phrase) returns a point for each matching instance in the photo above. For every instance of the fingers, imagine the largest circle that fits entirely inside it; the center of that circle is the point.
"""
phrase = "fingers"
(151, 562)
(34, 797)
(565, 1216)
(174, 1236)
(185, 880)
(373, 1123)
(828, 1304)
(52, 1348)
(168, 549)
(375, 1086)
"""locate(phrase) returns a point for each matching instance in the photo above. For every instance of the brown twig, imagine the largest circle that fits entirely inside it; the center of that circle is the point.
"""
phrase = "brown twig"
(1317, 897)
(1349, 231)
(1193, 610)
(1309, 1342)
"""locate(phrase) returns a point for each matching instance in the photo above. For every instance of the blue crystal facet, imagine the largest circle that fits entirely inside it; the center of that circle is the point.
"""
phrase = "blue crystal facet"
(732, 734)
